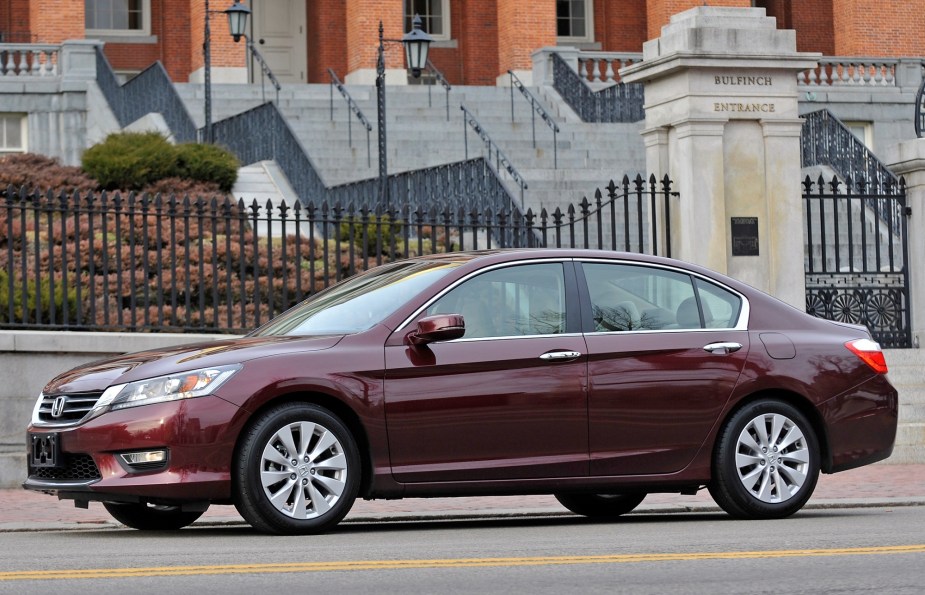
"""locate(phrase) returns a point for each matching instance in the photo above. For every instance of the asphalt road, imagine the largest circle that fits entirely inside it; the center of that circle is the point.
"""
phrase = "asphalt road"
(820, 551)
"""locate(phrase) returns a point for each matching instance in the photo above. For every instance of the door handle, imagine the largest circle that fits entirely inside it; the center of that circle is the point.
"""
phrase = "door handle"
(722, 348)
(560, 356)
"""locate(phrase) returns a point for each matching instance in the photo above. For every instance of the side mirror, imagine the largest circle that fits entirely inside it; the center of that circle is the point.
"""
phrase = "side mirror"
(440, 327)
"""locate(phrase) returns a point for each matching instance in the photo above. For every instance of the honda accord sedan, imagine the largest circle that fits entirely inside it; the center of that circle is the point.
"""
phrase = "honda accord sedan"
(598, 377)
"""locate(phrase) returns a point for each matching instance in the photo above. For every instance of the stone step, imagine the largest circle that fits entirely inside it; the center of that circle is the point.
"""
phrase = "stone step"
(911, 433)
(907, 454)
(911, 412)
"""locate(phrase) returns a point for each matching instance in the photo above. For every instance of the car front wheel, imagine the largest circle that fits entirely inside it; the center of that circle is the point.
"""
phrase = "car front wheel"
(297, 470)
(149, 517)
(766, 462)
(601, 505)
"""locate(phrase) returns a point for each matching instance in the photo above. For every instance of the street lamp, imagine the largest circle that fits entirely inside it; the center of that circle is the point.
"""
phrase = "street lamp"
(416, 43)
(237, 18)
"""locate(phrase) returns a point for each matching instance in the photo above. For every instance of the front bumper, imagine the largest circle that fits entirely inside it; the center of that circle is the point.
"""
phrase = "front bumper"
(198, 434)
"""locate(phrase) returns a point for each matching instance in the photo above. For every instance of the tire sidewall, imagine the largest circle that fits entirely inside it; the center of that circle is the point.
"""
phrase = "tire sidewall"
(725, 465)
(250, 496)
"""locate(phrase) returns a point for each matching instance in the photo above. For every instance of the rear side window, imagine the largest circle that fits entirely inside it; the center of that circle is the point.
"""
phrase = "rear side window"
(627, 297)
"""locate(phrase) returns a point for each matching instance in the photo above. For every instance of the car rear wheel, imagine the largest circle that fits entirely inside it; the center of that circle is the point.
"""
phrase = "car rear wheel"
(149, 517)
(600, 505)
(297, 470)
(766, 462)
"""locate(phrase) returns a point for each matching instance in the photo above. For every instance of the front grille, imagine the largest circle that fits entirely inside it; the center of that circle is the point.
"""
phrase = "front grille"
(77, 467)
(69, 410)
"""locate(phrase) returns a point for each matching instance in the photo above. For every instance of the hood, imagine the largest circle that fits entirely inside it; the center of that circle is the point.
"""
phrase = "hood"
(99, 375)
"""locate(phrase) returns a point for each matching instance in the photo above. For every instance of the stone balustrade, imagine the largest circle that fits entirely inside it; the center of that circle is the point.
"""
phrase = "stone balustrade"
(29, 60)
(604, 67)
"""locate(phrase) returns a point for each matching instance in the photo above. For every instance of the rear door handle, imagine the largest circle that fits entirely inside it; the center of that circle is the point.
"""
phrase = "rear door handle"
(722, 348)
(560, 356)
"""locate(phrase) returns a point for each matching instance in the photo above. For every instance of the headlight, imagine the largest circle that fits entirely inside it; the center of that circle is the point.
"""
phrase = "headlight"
(185, 385)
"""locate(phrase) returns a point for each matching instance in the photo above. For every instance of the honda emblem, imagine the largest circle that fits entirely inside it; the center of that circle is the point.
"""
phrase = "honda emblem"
(57, 408)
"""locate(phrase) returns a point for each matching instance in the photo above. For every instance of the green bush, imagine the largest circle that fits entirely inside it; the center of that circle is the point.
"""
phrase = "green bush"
(61, 302)
(351, 229)
(130, 160)
(207, 163)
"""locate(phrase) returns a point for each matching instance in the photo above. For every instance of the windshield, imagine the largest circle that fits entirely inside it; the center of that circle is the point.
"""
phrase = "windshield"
(358, 303)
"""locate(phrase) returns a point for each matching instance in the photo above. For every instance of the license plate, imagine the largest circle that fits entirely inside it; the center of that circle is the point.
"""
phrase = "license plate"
(44, 450)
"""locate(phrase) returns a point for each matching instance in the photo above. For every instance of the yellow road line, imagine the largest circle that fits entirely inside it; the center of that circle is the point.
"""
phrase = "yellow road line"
(446, 563)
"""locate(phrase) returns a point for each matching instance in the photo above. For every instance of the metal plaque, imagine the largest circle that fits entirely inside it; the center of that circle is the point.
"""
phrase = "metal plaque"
(745, 236)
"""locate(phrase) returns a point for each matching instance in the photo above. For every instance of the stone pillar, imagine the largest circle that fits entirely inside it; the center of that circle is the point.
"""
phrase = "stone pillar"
(908, 160)
(722, 122)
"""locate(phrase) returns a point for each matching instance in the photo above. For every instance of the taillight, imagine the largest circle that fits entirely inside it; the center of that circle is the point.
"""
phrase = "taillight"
(870, 353)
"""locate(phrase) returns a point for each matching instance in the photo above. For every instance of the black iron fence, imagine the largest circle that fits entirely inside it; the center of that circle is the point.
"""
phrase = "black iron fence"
(856, 262)
(169, 264)
(620, 102)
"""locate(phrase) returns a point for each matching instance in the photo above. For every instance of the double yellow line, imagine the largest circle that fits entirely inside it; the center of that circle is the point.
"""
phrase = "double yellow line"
(98, 573)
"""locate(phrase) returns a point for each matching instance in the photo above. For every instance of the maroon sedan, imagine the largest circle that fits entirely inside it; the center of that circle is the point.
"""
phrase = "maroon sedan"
(598, 377)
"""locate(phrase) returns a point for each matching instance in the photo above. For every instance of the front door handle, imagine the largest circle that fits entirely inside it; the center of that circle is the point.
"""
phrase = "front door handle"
(560, 356)
(722, 348)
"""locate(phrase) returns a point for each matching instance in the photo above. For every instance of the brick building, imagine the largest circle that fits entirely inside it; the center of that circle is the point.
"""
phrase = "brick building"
(476, 40)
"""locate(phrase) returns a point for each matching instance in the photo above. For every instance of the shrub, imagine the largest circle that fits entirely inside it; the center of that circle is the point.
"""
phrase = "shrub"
(37, 172)
(130, 160)
(351, 230)
(41, 297)
(207, 163)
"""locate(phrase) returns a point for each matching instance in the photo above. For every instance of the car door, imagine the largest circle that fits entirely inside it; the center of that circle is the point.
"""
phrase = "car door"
(665, 351)
(507, 400)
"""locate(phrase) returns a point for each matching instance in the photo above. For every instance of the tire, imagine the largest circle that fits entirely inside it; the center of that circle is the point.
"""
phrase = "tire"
(307, 493)
(601, 505)
(766, 462)
(147, 517)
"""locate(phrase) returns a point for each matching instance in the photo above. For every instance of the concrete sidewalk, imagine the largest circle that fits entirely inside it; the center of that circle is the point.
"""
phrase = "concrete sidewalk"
(875, 485)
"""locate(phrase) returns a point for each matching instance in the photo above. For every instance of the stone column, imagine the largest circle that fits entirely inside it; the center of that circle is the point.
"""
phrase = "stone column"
(722, 122)
(908, 160)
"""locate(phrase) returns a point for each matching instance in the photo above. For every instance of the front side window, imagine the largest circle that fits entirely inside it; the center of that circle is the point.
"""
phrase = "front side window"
(12, 133)
(513, 301)
(435, 16)
(574, 20)
(118, 16)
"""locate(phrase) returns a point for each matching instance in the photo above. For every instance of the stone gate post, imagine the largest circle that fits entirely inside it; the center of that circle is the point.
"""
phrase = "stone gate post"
(907, 159)
(722, 121)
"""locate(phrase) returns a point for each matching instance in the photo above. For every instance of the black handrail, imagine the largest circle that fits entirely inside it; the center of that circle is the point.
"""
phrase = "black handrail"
(352, 105)
(621, 102)
(265, 71)
(150, 91)
(536, 108)
(825, 140)
(438, 76)
(501, 160)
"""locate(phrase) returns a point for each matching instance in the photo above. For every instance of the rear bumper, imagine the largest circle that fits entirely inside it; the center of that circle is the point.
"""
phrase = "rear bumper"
(861, 425)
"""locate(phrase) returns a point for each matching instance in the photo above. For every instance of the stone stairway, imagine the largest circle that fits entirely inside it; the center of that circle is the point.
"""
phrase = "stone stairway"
(589, 155)
(907, 375)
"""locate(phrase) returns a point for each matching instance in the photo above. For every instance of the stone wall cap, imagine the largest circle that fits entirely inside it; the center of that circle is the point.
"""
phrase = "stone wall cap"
(98, 343)
(729, 17)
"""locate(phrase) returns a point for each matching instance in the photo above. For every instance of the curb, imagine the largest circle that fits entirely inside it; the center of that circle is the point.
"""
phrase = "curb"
(499, 514)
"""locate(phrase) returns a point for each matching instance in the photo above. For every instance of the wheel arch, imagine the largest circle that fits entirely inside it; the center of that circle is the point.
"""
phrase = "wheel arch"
(337, 407)
(804, 405)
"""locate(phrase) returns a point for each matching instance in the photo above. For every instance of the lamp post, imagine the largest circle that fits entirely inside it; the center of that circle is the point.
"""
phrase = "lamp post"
(237, 18)
(416, 42)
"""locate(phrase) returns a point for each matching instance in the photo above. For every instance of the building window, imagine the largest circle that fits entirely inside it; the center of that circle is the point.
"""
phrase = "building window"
(118, 17)
(12, 133)
(574, 20)
(435, 16)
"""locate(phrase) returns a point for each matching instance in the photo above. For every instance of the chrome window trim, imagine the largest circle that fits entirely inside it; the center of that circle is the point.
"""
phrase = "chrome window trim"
(458, 282)
(744, 312)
